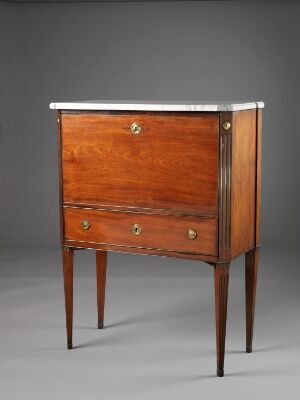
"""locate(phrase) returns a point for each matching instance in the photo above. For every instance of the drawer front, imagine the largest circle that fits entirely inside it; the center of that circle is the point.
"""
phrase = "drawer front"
(149, 231)
(172, 163)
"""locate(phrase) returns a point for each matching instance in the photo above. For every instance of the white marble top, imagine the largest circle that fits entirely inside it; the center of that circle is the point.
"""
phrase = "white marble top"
(138, 105)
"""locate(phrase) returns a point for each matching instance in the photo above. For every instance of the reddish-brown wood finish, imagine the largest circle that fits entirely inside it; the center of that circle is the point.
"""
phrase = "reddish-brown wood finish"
(183, 170)
(221, 296)
(238, 187)
(101, 262)
(171, 164)
(163, 232)
(258, 176)
(60, 179)
(68, 256)
(225, 187)
(136, 250)
(243, 182)
(251, 267)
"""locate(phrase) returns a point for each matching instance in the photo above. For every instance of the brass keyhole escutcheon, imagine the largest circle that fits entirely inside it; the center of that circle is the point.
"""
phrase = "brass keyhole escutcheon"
(136, 128)
(191, 234)
(226, 125)
(136, 229)
(86, 224)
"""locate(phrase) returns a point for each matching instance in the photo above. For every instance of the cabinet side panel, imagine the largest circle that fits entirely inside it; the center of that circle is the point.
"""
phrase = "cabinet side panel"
(60, 180)
(243, 182)
(258, 175)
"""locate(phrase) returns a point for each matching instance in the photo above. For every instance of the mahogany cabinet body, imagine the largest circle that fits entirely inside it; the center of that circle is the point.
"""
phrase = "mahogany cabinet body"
(187, 185)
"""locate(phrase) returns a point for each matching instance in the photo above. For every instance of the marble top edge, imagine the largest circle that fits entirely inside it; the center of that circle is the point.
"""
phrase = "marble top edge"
(133, 105)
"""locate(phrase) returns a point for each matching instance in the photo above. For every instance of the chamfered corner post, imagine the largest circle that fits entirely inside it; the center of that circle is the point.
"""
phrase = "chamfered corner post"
(221, 274)
(68, 259)
(101, 264)
(251, 267)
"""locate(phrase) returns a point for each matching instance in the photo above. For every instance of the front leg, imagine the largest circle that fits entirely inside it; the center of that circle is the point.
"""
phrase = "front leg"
(221, 295)
(101, 263)
(68, 257)
(251, 266)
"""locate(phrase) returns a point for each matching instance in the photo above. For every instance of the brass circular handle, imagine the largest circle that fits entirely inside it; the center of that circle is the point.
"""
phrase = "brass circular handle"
(191, 234)
(136, 229)
(86, 224)
(136, 128)
(226, 125)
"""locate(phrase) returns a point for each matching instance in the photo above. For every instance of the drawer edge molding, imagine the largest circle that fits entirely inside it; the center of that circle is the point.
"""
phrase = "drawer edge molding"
(138, 247)
(137, 250)
(140, 210)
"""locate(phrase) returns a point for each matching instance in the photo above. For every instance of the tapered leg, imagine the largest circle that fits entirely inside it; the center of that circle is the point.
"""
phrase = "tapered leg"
(101, 262)
(68, 256)
(251, 266)
(221, 295)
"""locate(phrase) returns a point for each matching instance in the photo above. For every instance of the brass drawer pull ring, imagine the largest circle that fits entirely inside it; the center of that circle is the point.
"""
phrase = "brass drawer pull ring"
(136, 229)
(136, 128)
(85, 224)
(191, 234)
(226, 125)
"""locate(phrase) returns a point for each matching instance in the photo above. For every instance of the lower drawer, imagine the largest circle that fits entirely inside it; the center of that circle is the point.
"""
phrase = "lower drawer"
(148, 231)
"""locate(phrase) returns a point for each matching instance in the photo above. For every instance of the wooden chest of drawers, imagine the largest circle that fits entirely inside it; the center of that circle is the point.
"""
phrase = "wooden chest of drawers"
(166, 179)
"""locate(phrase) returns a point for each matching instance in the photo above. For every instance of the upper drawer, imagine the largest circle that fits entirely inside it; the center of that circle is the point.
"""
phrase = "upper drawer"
(172, 163)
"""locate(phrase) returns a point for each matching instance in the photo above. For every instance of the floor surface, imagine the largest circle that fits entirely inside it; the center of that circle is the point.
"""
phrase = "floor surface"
(159, 335)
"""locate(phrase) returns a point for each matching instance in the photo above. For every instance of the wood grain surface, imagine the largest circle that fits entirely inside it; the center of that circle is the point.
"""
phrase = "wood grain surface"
(258, 176)
(163, 232)
(171, 164)
(243, 182)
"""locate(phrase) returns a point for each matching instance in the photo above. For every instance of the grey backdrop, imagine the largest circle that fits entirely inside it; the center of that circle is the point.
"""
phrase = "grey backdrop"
(152, 50)
(159, 341)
